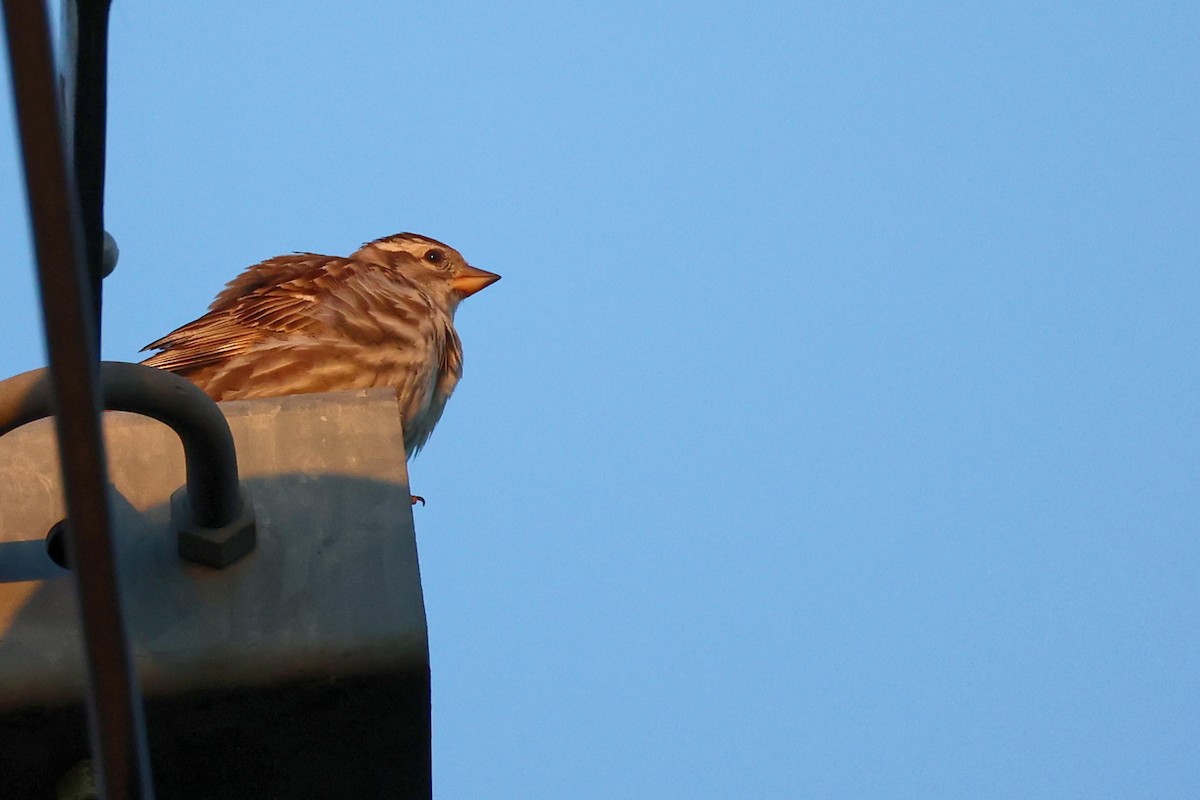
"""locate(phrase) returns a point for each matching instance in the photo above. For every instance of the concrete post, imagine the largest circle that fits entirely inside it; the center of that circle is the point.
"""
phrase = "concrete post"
(300, 671)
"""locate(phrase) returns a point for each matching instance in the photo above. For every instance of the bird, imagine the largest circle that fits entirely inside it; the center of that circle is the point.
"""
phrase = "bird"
(305, 322)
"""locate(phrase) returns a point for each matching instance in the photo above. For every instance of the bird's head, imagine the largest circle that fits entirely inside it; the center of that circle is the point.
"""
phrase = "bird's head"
(429, 262)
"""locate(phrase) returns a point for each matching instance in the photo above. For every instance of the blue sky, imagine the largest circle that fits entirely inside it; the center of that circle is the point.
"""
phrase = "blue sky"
(833, 432)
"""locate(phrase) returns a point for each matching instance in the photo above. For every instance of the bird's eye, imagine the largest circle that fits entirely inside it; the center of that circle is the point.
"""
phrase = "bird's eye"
(434, 256)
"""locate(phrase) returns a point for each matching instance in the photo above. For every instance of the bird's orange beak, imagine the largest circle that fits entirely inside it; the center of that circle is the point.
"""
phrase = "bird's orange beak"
(471, 280)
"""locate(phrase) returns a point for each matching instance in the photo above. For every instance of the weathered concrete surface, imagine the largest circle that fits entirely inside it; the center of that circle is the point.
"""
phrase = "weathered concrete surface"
(331, 598)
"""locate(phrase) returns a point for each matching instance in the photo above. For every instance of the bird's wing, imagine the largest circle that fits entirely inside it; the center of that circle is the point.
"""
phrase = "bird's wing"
(301, 294)
(270, 273)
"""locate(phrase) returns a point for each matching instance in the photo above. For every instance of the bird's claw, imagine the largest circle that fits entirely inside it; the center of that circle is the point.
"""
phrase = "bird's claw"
(417, 498)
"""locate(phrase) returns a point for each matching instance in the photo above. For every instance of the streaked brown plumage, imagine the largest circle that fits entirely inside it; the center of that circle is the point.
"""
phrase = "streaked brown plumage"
(384, 316)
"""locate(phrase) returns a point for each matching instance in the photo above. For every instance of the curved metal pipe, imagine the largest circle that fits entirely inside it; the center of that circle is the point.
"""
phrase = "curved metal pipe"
(212, 474)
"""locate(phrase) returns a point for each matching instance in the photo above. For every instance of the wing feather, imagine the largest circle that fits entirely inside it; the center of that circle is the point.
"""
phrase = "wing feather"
(301, 294)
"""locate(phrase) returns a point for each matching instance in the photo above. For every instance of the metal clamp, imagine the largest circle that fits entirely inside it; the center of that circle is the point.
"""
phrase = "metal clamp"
(212, 514)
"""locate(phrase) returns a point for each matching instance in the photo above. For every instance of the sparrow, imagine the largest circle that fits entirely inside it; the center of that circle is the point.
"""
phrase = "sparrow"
(301, 323)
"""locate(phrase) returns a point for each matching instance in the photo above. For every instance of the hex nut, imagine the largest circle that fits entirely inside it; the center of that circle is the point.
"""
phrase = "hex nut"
(213, 547)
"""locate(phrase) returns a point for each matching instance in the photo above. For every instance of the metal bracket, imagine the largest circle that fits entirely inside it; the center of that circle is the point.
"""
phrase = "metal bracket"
(213, 515)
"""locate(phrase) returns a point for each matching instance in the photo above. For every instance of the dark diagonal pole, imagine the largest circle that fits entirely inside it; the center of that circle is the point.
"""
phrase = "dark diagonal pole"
(85, 82)
(115, 710)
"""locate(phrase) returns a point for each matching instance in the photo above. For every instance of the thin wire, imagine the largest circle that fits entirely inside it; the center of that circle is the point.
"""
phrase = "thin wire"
(114, 703)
